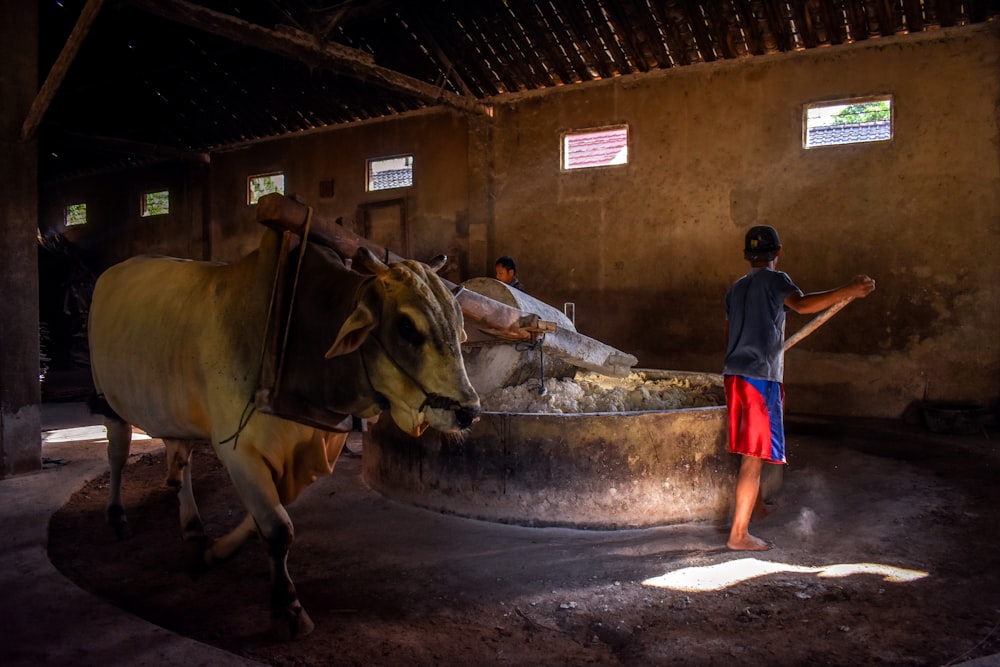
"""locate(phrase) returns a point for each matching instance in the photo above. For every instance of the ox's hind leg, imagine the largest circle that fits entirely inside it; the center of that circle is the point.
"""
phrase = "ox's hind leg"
(256, 487)
(119, 447)
(179, 477)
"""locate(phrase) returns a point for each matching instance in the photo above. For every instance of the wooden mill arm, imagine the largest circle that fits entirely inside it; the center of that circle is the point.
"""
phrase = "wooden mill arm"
(486, 314)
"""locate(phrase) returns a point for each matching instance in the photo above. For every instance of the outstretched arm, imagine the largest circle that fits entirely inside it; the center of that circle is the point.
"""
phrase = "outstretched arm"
(814, 302)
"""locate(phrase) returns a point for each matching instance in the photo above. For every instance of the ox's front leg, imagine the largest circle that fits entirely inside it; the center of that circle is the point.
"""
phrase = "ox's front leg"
(119, 447)
(255, 485)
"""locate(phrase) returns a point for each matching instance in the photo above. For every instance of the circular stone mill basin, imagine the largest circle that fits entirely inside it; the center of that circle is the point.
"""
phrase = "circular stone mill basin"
(598, 470)
(595, 470)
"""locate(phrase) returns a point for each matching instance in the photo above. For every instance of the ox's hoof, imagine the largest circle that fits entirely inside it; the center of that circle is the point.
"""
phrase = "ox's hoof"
(193, 530)
(117, 520)
(123, 531)
(293, 624)
(195, 549)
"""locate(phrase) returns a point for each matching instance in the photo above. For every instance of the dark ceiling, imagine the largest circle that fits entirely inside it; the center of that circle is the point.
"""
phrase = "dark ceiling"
(167, 79)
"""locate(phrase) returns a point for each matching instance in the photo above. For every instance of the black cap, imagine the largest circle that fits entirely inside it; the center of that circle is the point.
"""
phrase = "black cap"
(762, 244)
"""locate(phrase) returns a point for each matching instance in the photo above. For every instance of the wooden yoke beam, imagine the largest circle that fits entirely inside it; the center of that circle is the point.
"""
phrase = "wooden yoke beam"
(285, 214)
(488, 315)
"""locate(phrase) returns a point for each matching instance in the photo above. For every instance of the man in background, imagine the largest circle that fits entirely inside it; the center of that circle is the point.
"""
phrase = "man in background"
(506, 272)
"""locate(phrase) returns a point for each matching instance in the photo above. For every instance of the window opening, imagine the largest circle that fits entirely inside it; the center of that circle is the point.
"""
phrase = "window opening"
(76, 214)
(389, 173)
(264, 184)
(842, 122)
(155, 203)
(595, 148)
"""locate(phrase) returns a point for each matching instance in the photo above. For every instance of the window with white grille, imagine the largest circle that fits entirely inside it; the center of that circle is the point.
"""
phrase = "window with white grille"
(602, 147)
(155, 203)
(264, 184)
(391, 172)
(853, 121)
(75, 214)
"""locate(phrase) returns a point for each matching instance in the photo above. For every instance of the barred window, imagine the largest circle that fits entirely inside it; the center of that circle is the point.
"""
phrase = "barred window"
(602, 147)
(155, 203)
(75, 214)
(389, 173)
(264, 184)
(842, 122)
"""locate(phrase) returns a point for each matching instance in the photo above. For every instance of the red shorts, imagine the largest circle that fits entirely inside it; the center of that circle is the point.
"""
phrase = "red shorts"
(755, 417)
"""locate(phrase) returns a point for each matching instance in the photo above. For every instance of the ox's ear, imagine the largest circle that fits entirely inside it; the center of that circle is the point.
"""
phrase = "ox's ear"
(353, 332)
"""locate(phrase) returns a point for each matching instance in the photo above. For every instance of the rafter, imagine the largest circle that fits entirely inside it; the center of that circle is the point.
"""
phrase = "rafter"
(58, 72)
(304, 48)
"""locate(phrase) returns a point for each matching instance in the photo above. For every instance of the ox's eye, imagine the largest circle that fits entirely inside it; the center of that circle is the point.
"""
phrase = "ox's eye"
(408, 331)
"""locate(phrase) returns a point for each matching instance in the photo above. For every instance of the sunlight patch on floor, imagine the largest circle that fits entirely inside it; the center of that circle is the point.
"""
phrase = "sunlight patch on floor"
(723, 575)
(83, 433)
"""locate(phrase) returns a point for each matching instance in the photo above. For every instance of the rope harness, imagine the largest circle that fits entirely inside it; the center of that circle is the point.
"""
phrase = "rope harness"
(431, 400)
(527, 347)
(250, 408)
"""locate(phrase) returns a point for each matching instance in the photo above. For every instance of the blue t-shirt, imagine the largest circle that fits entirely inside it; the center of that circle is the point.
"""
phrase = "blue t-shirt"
(755, 308)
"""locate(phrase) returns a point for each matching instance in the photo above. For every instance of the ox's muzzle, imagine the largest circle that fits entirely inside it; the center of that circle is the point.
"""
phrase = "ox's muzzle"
(464, 415)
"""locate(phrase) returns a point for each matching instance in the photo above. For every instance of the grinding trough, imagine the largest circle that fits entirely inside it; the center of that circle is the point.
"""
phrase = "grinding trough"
(606, 470)
(598, 469)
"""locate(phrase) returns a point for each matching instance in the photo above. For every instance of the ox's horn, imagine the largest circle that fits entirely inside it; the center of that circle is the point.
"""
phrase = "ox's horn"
(438, 263)
(367, 262)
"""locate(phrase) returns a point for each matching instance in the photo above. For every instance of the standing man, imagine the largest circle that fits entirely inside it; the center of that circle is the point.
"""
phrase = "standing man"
(506, 272)
(754, 367)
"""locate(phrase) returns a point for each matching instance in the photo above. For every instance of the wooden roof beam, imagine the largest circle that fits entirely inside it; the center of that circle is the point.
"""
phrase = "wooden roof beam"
(804, 25)
(58, 72)
(568, 41)
(705, 45)
(773, 10)
(945, 12)
(444, 62)
(857, 20)
(304, 48)
(676, 48)
(134, 148)
(913, 12)
(719, 23)
(887, 18)
(751, 28)
(833, 21)
(609, 38)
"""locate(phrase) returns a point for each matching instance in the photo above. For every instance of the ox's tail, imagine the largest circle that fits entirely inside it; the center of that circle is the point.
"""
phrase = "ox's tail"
(99, 406)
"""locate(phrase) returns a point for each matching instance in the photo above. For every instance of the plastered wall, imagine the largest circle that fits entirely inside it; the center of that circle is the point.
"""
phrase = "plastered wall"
(436, 207)
(646, 251)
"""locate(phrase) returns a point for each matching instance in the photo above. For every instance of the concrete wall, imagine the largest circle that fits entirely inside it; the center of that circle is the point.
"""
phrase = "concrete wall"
(115, 230)
(436, 207)
(647, 250)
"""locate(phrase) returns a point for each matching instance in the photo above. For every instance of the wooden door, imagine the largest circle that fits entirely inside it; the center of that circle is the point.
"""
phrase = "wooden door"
(385, 224)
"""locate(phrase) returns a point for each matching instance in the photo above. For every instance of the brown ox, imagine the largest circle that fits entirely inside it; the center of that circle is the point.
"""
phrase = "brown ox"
(176, 350)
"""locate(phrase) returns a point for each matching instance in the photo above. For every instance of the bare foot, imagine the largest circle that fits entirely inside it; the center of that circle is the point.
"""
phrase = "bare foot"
(748, 543)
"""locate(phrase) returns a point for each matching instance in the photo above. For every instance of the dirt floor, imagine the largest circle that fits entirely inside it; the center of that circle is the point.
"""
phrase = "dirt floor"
(388, 584)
